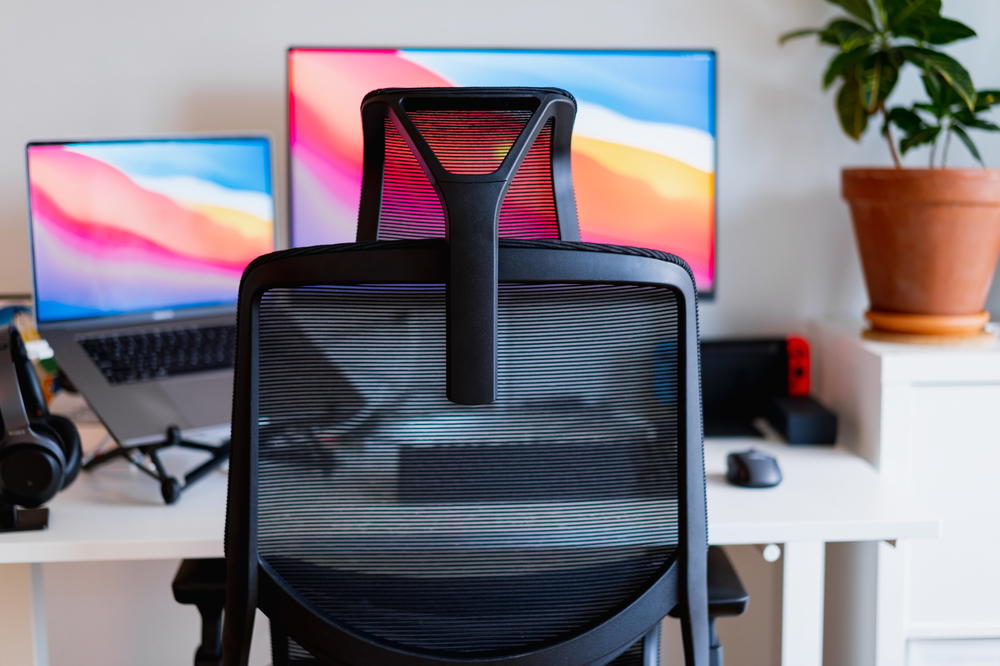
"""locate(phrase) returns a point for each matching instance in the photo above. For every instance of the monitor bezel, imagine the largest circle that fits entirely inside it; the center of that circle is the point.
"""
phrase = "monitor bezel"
(158, 315)
(704, 295)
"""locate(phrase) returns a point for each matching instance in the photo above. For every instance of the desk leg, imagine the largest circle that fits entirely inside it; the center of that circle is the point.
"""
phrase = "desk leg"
(802, 603)
(890, 633)
(22, 615)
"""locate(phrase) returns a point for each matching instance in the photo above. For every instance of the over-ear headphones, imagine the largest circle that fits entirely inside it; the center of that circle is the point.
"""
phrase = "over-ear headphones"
(39, 452)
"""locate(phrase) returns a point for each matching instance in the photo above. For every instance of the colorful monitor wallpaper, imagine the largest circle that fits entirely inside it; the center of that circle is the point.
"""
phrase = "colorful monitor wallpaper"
(130, 226)
(643, 144)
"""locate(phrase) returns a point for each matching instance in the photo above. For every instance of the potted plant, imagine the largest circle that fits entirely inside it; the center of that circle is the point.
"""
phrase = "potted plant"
(928, 237)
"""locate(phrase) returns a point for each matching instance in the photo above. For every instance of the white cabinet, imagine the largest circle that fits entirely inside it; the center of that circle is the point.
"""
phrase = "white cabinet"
(929, 419)
(953, 583)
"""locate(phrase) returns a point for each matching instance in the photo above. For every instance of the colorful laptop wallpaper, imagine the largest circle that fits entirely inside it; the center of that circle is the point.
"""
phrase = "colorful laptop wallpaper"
(643, 143)
(131, 226)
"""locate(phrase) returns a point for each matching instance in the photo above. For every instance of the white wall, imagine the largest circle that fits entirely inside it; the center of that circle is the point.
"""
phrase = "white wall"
(115, 67)
(121, 67)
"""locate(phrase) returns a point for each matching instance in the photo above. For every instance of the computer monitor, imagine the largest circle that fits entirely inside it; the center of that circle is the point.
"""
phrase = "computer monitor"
(644, 149)
(152, 225)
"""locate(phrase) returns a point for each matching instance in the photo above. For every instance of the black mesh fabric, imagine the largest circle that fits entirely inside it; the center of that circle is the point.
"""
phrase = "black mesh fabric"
(458, 530)
(467, 142)
(528, 209)
(470, 141)
(633, 656)
(410, 207)
(299, 656)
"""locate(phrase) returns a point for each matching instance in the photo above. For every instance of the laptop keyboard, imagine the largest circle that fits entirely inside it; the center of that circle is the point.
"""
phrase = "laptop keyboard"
(137, 357)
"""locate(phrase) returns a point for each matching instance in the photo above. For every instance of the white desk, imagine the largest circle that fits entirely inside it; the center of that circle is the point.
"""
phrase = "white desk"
(116, 513)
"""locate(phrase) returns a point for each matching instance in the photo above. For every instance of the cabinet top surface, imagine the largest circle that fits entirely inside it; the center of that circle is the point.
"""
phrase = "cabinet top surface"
(960, 363)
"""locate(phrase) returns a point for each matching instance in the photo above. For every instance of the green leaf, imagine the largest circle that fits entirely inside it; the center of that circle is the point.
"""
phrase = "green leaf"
(937, 30)
(933, 109)
(935, 88)
(946, 67)
(850, 111)
(846, 34)
(903, 14)
(878, 77)
(795, 34)
(842, 65)
(858, 8)
(919, 138)
(980, 123)
(916, 131)
(987, 98)
(906, 120)
(960, 133)
(946, 31)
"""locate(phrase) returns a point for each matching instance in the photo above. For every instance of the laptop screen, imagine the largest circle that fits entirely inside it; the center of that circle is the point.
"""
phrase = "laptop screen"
(131, 226)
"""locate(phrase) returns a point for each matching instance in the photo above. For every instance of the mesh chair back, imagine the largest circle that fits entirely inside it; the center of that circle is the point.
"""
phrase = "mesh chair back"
(488, 530)
(562, 519)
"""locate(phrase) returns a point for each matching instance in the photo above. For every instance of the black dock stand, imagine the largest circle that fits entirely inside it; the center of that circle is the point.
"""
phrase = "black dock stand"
(171, 487)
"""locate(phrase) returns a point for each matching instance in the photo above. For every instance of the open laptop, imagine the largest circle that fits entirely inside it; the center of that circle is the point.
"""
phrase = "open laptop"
(138, 247)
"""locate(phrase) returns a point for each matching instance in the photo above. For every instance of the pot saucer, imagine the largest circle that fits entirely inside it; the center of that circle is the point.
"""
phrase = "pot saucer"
(928, 329)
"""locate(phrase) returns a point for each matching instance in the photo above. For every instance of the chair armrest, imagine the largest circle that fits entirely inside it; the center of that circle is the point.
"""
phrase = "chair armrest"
(203, 583)
(200, 582)
(726, 595)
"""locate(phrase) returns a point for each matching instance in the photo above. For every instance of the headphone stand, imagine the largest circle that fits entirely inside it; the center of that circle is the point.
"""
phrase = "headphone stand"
(171, 487)
(18, 519)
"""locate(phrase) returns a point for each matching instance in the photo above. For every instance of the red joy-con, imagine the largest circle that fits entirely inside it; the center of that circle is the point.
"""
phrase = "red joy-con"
(799, 375)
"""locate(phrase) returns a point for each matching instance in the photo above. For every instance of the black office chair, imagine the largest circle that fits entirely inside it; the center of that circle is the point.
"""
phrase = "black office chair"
(447, 451)
(409, 602)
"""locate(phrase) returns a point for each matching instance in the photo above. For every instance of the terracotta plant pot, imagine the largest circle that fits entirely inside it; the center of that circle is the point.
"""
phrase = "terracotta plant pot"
(929, 241)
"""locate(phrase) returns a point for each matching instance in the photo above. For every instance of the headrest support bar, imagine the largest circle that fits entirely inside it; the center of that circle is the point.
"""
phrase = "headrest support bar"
(471, 201)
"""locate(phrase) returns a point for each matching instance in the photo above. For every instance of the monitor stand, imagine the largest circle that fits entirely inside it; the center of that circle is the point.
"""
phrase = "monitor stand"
(171, 487)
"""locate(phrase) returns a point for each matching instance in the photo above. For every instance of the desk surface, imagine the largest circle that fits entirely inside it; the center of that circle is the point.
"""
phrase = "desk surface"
(115, 513)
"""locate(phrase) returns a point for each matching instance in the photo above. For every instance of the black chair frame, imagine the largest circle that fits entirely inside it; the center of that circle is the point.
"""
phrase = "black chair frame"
(252, 584)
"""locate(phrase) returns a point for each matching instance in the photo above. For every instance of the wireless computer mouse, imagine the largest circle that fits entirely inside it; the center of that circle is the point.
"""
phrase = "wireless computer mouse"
(752, 469)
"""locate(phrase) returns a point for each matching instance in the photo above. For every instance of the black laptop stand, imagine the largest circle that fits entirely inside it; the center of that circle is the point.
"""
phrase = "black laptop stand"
(146, 458)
